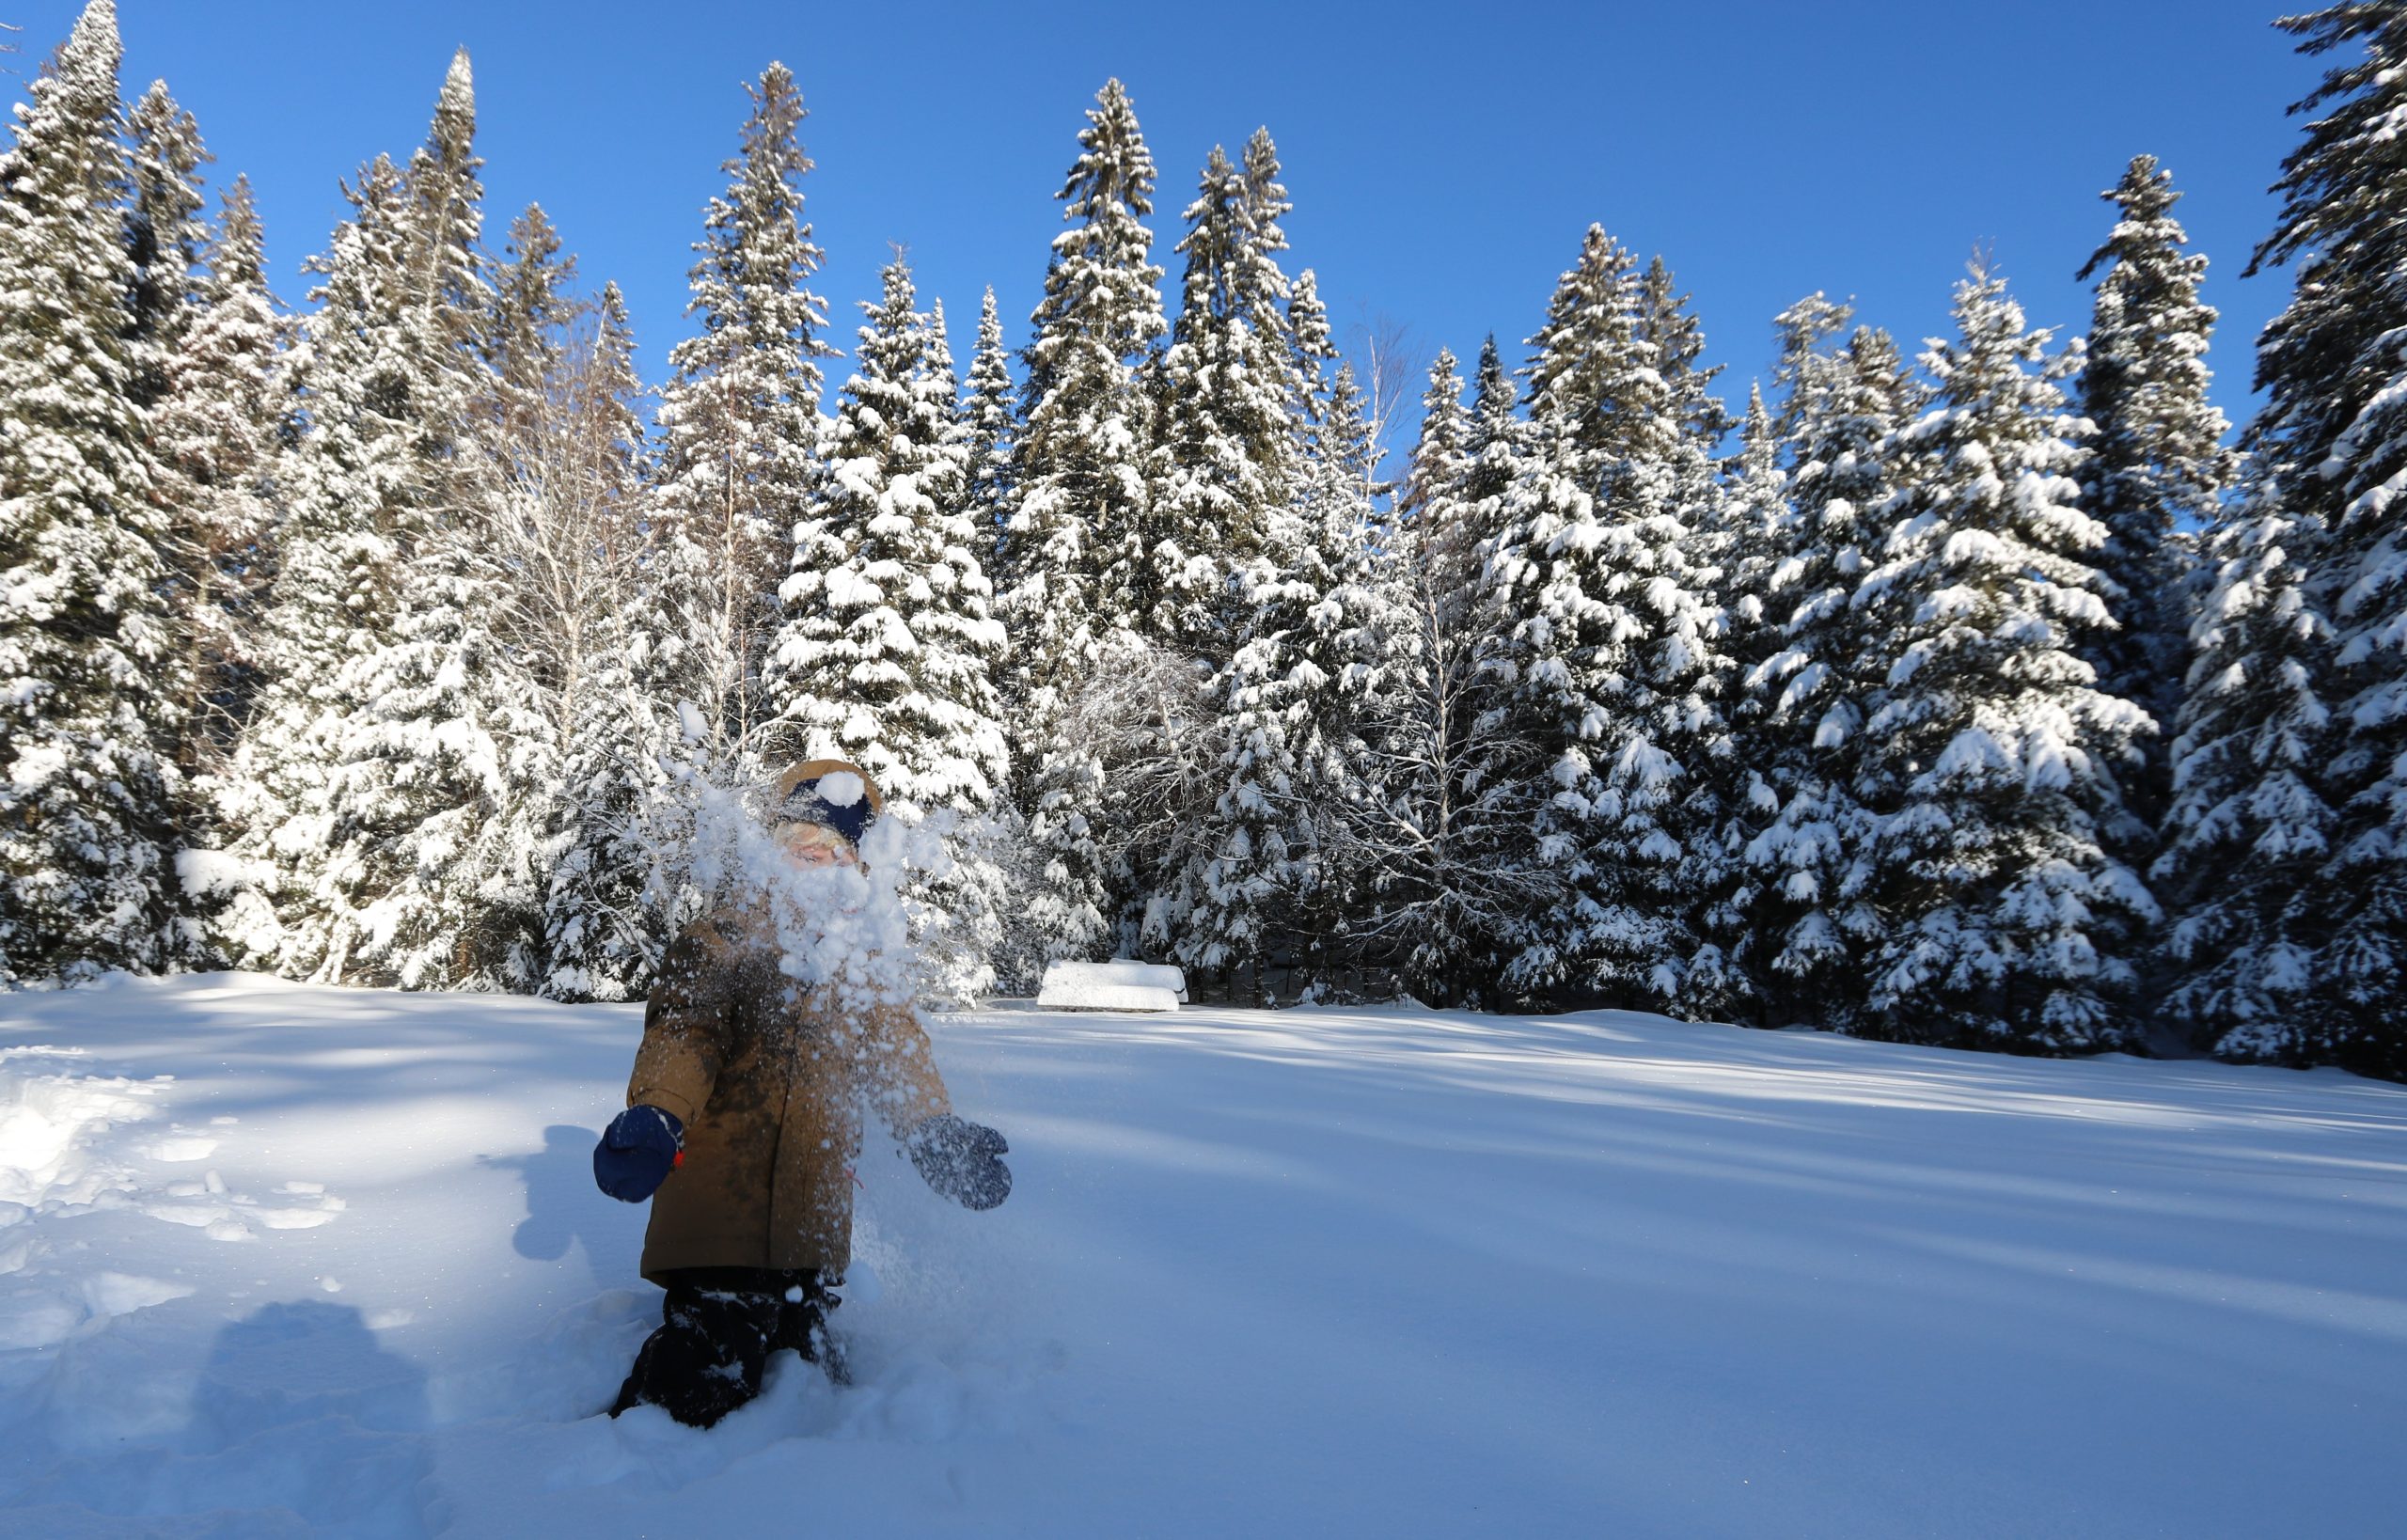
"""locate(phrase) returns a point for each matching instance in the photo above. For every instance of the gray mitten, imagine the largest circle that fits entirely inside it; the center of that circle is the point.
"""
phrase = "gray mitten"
(957, 1158)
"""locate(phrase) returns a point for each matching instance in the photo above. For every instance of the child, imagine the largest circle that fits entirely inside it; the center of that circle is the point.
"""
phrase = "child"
(744, 1117)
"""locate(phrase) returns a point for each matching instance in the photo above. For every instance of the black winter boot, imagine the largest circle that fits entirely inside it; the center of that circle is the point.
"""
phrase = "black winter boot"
(706, 1358)
(719, 1327)
(802, 1324)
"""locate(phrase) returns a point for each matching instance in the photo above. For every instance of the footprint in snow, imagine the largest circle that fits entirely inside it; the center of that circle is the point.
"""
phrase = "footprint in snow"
(305, 1206)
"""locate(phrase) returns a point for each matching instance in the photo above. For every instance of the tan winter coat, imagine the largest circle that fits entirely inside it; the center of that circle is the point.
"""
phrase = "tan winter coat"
(769, 1081)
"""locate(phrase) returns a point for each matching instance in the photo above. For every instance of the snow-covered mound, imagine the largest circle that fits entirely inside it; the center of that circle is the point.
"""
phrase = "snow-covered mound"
(1111, 986)
(278, 1260)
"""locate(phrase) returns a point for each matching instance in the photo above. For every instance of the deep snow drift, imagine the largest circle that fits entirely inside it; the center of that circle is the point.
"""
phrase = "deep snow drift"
(280, 1260)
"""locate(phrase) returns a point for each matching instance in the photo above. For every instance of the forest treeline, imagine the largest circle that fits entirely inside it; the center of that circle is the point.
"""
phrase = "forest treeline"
(1998, 695)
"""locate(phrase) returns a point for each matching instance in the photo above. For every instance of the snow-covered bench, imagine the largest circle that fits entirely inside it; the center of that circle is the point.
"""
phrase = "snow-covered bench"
(1113, 986)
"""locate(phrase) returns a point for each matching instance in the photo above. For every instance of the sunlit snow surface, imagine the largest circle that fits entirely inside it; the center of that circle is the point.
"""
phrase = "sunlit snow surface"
(278, 1260)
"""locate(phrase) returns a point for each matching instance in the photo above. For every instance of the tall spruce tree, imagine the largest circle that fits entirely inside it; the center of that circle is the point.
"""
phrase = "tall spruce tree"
(446, 280)
(885, 653)
(2248, 832)
(214, 431)
(2157, 466)
(1081, 505)
(385, 481)
(1494, 442)
(1671, 493)
(351, 475)
(425, 885)
(1229, 387)
(1550, 506)
(963, 911)
(1749, 535)
(1807, 692)
(164, 233)
(1312, 347)
(87, 798)
(167, 239)
(2333, 436)
(549, 427)
(1613, 655)
(1280, 871)
(739, 416)
(988, 427)
(1990, 753)
(1753, 539)
(443, 758)
(522, 342)
(2323, 359)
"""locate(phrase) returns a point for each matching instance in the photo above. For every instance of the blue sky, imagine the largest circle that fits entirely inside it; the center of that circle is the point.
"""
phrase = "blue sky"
(1444, 158)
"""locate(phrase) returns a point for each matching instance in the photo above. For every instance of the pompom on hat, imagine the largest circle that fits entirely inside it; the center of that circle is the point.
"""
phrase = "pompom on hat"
(833, 793)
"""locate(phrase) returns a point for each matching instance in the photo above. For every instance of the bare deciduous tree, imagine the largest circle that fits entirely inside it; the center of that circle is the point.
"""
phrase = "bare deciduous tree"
(1434, 837)
(1392, 361)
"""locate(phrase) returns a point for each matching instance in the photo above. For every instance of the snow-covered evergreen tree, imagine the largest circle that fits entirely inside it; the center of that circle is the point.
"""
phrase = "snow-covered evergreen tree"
(1749, 534)
(1081, 505)
(988, 427)
(964, 911)
(1990, 754)
(419, 831)
(347, 791)
(1440, 455)
(937, 373)
(603, 897)
(850, 672)
(1551, 504)
(2332, 437)
(1280, 871)
(2323, 358)
(1615, 655)
(1310, 347)
(887, 652)
(86, 785)
(521, 340)
(446, 282)
(164, 233)
(548, 428)
(1228, 388)
(1802, 703)
(1494, 441)
(351, 494)
(213, 435)
(2248, 831)
(444, 757)
(609, 888)
(1433, 831)
(739, 417)
(2157, 466)
(1755, 534)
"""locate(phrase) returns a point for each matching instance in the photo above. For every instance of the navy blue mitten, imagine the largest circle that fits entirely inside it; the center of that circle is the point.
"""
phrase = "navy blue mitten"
(638, 1150)
(957, 1158)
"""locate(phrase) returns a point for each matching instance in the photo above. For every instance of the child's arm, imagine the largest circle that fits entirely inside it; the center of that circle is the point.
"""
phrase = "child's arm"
(685, 1026)
(899, 1071)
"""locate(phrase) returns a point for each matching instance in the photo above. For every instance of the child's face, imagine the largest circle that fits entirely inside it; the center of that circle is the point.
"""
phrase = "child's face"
(815, 845)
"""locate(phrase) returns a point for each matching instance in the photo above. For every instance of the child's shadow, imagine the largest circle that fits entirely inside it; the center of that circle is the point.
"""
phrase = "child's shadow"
(565, 1209)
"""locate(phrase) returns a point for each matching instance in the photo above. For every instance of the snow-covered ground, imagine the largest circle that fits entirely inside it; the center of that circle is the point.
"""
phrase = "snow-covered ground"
(278, 1260)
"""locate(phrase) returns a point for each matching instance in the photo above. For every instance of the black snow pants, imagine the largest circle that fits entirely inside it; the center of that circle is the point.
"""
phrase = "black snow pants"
(717, 1327)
